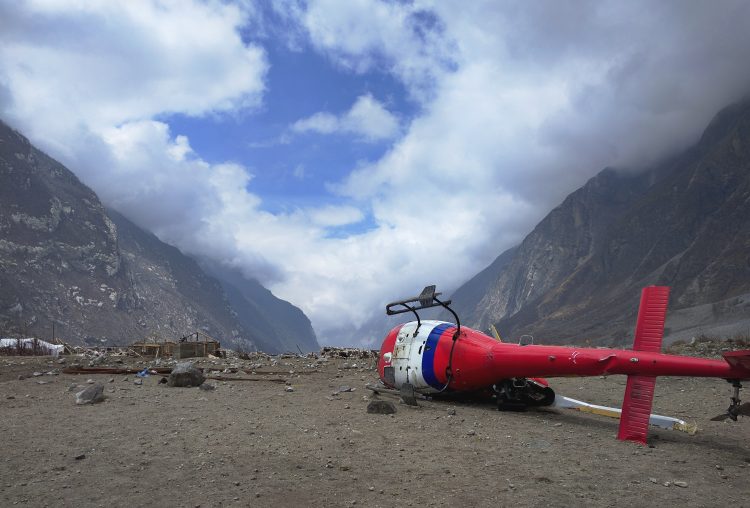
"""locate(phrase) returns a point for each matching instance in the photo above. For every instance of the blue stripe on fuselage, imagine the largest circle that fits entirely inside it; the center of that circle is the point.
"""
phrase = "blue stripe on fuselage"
(428, 358)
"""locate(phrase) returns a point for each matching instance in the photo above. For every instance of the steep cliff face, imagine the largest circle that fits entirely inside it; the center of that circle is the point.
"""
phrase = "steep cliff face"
(278, 325)
(59, 259)
(561, 245)
(685, 224)
(477, 301)
(173, 296)
(100, 279)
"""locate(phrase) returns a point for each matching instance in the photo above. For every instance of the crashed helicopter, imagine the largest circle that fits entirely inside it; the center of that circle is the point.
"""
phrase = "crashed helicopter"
(435, 357)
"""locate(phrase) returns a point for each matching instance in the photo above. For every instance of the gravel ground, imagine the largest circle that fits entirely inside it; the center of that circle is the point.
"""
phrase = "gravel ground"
(254, 443)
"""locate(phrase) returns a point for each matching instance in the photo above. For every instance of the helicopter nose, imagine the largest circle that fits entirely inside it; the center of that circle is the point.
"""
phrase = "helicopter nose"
(386, 351)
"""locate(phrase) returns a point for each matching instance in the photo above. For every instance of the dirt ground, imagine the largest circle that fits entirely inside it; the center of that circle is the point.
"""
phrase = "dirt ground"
(253, 443)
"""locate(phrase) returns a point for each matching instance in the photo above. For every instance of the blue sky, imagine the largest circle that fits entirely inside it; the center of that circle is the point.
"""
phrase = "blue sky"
(293, 169)
(346, 153)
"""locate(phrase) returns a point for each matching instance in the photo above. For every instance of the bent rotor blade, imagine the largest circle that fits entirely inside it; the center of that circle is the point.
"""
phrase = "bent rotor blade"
(665, 422)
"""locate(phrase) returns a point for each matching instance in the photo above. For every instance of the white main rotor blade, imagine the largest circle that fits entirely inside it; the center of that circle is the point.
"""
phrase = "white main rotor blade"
(665, 422)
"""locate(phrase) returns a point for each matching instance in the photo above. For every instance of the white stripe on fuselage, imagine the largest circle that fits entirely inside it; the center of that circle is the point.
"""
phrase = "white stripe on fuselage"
(407, 355)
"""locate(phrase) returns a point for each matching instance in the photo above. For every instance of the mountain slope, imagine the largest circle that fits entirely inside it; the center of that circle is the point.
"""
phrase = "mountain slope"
(280, 326)
(99, 278)
(685, 224)
(175, 295)
(59, 258)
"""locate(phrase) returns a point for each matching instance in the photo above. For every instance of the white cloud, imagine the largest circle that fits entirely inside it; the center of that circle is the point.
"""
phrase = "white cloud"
(403, 38)
(106, 63)
(324, 123)
(367, 119)
(299, 172)
(328, 216)
(540, 98)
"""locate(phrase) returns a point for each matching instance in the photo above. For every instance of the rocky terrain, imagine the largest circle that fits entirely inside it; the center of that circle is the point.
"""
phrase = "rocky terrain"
(682, 224)
(98, 279)
(296, 432)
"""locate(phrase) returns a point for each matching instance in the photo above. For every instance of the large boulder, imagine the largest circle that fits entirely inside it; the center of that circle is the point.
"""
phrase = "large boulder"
(91, 395)
(186, 374)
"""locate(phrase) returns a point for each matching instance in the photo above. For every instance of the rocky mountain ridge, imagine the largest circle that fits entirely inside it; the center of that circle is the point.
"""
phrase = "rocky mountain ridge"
(67, 262)
(683, 223)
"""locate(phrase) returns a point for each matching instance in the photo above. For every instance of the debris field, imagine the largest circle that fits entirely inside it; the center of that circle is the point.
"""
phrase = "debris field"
(295, 431)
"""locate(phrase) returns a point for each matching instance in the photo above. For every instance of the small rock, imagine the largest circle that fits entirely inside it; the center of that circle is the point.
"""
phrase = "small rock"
(138, 382)
(452, 411)
(80, 457)
(680, 484)
(557, 425)
(125, 379)
(10, 397)
(91, 395)
(472, 432)
(61, 361)
(382, 407)
(720, 468)
(72, 387)
(21, 378)
(90, 381)
(289, 389)
(163, 381)
(666, 484)
(37, 374)
(207, 387)
(653, 480)
(111, 380)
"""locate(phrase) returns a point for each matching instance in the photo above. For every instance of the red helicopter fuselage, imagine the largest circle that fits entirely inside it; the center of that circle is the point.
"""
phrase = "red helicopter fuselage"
(431, 357)
(479, 361)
